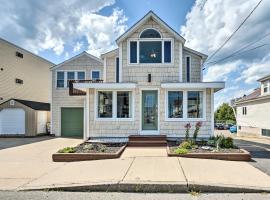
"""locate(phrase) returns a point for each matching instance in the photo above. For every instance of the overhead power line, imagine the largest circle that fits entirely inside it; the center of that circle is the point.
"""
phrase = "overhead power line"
(228, 39)
(238, 51)
(257, 47)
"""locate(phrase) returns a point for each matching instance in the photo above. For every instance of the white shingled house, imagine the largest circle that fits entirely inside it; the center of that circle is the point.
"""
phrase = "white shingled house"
(152, 84)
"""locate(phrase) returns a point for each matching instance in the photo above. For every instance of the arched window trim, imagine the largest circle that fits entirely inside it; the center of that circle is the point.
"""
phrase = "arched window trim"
(151, 29)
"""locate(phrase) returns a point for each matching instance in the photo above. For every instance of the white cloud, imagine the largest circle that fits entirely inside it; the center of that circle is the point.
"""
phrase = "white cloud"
(220, 72)
(207, 28)
(77, 46)
(55, 25)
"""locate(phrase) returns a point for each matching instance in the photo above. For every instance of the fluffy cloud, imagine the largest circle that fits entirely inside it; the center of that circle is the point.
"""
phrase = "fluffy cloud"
(215, 22)
(54, 25)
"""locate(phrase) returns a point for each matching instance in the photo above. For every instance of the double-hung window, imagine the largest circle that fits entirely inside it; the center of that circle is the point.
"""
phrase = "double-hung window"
(114, 104)
(63, 77)
(150, 48)
(95, 75)
(60, 79)
(266, 87)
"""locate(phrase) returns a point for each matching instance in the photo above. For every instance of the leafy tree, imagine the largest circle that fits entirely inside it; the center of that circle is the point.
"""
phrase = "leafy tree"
(224, 113)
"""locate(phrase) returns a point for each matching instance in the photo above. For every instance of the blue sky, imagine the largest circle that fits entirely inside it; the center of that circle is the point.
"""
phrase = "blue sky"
(58, 30)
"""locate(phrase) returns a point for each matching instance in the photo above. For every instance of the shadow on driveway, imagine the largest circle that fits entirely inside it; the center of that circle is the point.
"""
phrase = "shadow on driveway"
(15, 142)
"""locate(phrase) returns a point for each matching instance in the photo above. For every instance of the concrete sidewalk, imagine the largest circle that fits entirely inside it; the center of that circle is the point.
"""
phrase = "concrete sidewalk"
(29, 167)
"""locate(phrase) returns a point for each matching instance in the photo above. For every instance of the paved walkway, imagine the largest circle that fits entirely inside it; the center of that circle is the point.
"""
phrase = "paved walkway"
(30, 167)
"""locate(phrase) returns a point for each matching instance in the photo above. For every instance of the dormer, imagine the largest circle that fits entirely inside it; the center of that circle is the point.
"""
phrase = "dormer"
(265, 85)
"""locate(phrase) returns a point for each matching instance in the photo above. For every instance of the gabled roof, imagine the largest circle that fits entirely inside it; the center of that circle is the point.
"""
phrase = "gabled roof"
(149, 15)
(264, 78)
(33, 104)
(252, 97)
(110, 53)
(35, 55)
(203, 56)
(84, 53)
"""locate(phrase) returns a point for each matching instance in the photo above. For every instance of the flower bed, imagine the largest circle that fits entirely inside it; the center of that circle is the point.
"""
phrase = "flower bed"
(208, 152)
(89, 151)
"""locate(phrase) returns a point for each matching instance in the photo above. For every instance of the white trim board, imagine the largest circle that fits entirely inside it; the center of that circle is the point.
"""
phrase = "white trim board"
(104, 85)
(200, 85)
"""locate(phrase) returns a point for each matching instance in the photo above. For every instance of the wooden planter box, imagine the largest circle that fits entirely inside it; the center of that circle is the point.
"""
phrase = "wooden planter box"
(244, 156)
(72, 157)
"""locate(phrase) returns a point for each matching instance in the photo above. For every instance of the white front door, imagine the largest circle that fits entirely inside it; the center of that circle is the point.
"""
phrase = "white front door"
(12, 121)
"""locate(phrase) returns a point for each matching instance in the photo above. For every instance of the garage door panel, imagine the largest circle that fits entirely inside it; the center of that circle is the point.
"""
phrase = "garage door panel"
(72, 122)
(12, 121)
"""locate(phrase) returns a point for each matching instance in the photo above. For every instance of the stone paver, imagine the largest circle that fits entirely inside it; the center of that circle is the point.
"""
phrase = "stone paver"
(223, 173)
(155, 169)
(144, 152)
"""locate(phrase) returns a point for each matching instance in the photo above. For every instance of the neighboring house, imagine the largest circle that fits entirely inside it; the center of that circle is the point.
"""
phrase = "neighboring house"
(24, 76)
(150, 85)
(252, 111)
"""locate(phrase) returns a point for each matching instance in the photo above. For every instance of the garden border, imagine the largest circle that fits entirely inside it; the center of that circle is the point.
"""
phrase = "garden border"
(245, 156)
(72, 157)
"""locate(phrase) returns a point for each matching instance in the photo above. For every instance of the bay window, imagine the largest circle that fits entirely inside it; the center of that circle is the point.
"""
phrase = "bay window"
(195, 104)
(114, 104)
(175, 104)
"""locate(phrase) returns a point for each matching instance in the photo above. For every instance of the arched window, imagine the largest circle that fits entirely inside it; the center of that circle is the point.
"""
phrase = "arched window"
(150, 33)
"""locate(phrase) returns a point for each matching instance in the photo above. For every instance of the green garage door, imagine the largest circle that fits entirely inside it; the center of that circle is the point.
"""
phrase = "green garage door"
(72, 122)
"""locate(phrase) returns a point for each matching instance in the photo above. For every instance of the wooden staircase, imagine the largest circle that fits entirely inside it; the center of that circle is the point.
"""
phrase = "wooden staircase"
(147, 140)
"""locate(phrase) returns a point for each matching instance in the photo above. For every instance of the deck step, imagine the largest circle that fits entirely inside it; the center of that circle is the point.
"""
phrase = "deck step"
(147, 140)
(147, 143)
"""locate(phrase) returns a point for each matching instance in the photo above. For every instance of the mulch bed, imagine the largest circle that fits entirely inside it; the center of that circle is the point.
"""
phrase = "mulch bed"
(233, 154)
(91, 151)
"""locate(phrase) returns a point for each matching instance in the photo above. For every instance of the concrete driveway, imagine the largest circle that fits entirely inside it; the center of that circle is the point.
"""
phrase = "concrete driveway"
(30, 166)
(26, 159)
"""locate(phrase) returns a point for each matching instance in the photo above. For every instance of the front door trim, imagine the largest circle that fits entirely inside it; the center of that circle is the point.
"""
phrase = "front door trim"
(149, 132)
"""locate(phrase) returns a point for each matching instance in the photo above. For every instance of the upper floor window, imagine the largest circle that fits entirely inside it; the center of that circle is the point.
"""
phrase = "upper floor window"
(266, 87)
(150, 33)
(244, 110)
(63, 77)
(117, 70)
(188, 68)
(95, 75)
(150, 48)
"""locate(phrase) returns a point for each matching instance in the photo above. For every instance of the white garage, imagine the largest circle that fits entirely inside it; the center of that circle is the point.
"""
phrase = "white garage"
(23, 118)
(12, 121)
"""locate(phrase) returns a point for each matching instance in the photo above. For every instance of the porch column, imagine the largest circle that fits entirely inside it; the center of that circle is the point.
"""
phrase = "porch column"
(212, 112)
(87, 114)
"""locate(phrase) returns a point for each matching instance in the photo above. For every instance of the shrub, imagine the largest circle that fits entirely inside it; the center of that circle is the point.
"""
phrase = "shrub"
(228, 143)
(67, 150)
(185, 145)
(187, 126)
(181, 151)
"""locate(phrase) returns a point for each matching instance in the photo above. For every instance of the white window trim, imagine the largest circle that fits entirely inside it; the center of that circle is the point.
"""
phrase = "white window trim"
(149, 29)
(95, 70)
(138, 40)
(114, 106)
(185, 105)
(65, 77)
(266, 84)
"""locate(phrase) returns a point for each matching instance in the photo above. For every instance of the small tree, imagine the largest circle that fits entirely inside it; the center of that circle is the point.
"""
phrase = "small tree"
(196, 131)
(187, 126)
(224, 113)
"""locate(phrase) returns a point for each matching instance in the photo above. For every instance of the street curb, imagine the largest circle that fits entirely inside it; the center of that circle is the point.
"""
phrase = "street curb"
(149, 188)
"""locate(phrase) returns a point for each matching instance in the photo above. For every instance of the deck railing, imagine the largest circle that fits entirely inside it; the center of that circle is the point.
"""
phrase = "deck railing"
(76, 92)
